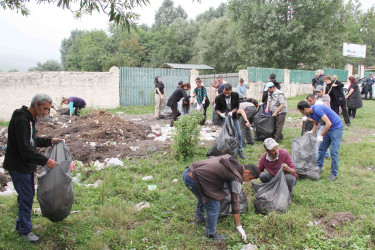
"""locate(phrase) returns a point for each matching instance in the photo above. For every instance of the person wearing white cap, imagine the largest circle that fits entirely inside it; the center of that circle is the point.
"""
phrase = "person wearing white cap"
(274, 159)
(277, 104)
(322, 97)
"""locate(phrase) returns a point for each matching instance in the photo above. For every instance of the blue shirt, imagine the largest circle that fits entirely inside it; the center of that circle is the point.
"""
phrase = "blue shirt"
(320, 110)
(242, 90)
(369, 81)
(220, 89)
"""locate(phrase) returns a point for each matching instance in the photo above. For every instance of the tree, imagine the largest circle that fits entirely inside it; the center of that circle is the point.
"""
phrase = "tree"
(367, 33)
(13, 70)
(216, 46)
(89, 52)
(120, 12)
(212, 13)
(67, 43)
(284, 34)
(50, 65)
(167, 13)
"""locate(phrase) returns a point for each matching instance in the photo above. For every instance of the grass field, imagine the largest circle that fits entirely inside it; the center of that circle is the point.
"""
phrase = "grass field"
(107, 218)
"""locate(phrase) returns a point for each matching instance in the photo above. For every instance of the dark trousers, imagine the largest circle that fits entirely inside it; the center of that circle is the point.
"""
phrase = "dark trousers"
(290, 179)
(352, 112)
(245, 132)
(279, 124)
(368, 90)
(336, 108)
(174, 113)
(24, 185)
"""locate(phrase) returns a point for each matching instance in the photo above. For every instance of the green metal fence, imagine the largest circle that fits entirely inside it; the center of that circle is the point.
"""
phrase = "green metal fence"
(262, 74)
(137, 84)
(301, 76)
(341, 73)
(367, 73)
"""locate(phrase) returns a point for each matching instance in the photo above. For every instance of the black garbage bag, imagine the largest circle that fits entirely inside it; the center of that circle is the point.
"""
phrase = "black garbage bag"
(304, 158)
(166, 112)
(307, 126)
(273, 195)
(264, 126)
(226, 206)
(227, 141)
(55, 187)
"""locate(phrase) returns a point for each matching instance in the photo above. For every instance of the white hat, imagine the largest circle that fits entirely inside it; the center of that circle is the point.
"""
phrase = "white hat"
(270, 143)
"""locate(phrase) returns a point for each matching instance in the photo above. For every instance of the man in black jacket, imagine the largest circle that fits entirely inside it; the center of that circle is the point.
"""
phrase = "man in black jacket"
(21, 158)
(228, 103)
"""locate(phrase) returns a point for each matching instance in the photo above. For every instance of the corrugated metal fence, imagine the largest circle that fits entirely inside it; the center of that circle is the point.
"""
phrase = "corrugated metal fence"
(262, 74)
(296, 76)
(137, 84)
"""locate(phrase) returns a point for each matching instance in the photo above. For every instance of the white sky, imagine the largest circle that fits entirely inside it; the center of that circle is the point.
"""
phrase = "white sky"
(37, 37)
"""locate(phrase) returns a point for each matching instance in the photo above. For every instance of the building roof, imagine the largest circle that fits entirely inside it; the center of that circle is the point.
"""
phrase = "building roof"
(370, 68)
(186, 66)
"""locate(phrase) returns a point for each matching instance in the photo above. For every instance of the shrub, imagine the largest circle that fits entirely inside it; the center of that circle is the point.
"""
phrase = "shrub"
(186, 136)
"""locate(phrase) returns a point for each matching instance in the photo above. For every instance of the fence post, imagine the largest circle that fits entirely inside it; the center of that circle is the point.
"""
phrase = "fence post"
(349, 68)
(287, 89)
(361, 71)
(193, 74)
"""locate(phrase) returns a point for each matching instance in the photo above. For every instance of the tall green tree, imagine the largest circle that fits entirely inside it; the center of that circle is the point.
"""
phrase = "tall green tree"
(288, 33)
(212, 13)
(367, 32)
(90, 52)
(50, 65)
(167, 13)
(216, 46)
(67, 43)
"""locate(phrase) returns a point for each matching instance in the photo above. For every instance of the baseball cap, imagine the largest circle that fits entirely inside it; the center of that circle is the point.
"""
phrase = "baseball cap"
(268, 85)
(319, 88)
(270, 143)
(180, 82)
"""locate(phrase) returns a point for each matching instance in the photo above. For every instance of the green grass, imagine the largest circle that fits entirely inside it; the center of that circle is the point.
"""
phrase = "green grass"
(108, 219)
(2, 123)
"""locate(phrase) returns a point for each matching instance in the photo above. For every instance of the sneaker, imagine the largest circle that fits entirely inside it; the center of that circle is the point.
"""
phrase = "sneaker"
(332, 177)
(30, 237)
(241, 154)
(348, 124)
(216, 237)
(251, 142)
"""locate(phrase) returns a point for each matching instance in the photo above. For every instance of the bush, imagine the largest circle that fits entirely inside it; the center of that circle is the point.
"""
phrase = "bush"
(186, 136)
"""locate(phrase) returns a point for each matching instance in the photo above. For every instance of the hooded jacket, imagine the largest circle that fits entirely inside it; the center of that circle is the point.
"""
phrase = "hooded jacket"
(21, 155)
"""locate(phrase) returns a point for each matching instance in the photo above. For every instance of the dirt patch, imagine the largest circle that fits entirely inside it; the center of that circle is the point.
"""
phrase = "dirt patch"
(96, 135)
(338, 219)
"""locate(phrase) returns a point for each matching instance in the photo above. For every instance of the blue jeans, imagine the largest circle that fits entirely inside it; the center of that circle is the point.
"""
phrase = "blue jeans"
(24, 185)
(327, 154)
(331, 138)
(238, 129)
(212, 207)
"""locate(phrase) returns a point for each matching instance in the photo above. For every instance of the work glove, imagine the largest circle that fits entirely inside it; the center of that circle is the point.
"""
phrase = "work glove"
(222, 115)
(242, 232)
(230, 114)
(309, 132)
(304, 118)
(319, 139)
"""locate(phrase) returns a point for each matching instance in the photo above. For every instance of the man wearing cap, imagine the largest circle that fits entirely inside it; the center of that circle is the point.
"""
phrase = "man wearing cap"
(277, 104)
(274, 159)
(213, 179)
(180, 84)
(330, 136)
(322, 97)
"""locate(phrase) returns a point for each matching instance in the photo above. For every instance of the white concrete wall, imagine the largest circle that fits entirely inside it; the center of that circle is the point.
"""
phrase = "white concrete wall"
(98, 89)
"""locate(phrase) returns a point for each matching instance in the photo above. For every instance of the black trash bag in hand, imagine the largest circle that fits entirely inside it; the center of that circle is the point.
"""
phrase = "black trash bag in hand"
(307, 126)
(55, 187)
(226, 206)
(273, 195)
(304, 158)
(264, 126)
(227, 141)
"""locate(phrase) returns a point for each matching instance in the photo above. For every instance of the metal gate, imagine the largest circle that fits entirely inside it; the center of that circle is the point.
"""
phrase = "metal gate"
(137, 86)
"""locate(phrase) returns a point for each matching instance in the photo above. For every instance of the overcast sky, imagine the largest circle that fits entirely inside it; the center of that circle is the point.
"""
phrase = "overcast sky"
(37, 37)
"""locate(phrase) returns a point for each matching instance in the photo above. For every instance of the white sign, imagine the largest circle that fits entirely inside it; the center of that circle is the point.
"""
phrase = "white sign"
(354, 50)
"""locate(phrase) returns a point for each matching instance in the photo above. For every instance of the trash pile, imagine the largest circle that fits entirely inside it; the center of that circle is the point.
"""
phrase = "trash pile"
(94, 136)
